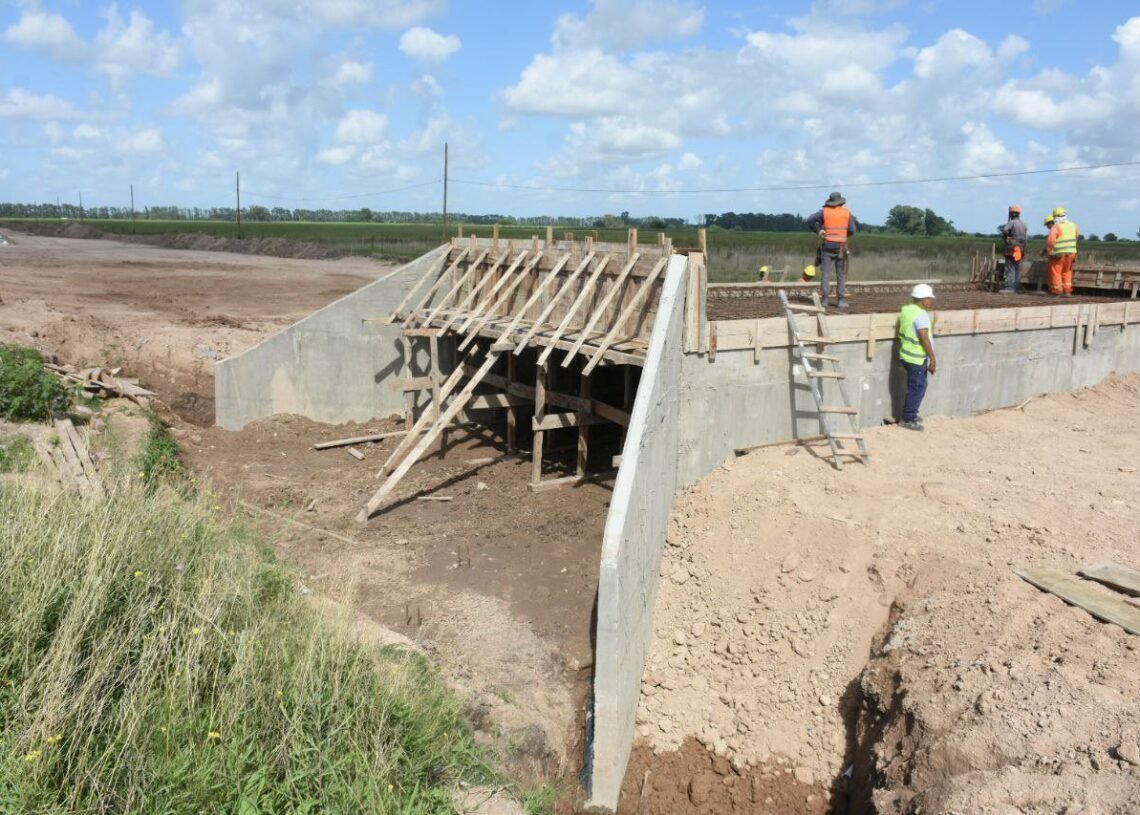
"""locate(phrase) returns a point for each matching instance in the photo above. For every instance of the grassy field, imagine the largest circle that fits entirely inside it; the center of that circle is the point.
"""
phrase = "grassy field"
(734, 255)
(155, 657)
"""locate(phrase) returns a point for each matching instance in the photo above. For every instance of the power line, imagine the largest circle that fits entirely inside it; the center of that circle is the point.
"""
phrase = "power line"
(270, 197)
(795, 187)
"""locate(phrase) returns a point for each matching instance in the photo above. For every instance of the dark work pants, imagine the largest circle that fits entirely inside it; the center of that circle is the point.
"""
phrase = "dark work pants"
(831, 261)
(1012, 274)
(915, 389)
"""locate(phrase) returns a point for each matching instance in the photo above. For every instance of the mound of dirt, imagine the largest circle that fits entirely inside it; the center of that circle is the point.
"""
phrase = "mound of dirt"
(780, 575)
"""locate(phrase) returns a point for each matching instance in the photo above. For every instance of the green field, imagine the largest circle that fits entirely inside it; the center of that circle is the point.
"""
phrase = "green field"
(734, 254)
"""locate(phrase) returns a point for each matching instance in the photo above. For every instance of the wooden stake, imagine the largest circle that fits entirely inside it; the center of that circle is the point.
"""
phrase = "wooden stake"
(583, 427)
(542, 379)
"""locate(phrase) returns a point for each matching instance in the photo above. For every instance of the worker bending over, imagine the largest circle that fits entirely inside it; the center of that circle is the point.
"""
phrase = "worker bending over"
(1016, 235)
(1062, 249)
(835, 224)
(809, 274)
(916, 351)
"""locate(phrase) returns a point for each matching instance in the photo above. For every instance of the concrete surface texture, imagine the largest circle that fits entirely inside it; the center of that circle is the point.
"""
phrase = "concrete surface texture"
(330, 367)
(739, 400)
(632, 545)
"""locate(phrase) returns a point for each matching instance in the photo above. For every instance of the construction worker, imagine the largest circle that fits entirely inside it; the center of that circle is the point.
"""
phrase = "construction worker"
(1016, 236)
(916, 351)
(764, 270)
(835, 225)
(1062, 248)
(809, 274)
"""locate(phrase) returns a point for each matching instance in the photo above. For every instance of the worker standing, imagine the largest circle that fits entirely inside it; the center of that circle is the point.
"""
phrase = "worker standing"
(1062, 248)
(835, 224)
(916, 351)
(1016, 236)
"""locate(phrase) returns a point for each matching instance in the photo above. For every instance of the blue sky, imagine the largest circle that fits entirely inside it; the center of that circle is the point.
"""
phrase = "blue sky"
(347, 104)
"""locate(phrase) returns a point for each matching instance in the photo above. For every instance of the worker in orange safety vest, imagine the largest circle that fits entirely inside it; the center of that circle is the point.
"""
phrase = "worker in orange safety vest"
(835, 224)
(1061, 247)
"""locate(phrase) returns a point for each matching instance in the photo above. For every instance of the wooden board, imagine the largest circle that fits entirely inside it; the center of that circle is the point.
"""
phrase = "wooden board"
(1114, 576)
(1092, 598)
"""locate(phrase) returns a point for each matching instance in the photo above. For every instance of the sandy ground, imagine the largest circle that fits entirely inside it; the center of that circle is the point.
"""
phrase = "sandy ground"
(497, 584)
(864, 633)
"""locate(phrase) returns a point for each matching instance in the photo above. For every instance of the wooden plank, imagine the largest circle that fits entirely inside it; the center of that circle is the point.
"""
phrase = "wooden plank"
(434, 270)
(504, 296)
(461, 309)
(1115, 576)
(512, 414)
(615, 287)
(409, 397)
(635, 303)
(565, 287)
(433, 374)
(489, 298)
(850, 411)
(561, 421)
(584, 420)
(436, 286)
(692, 302)
(562, 400)
(539, 290)
(583, 294)
(492, 401)
(416, 383)
(328, 445)
(554, 483)
(427, 440)
(71, 459)
(356, 454)
(1095, 600)
(542, 378)
(459, 284)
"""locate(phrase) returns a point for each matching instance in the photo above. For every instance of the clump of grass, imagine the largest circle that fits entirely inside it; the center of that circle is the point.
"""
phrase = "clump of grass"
(159, 459)
(27, 391)
(17, 453)
(154, 659)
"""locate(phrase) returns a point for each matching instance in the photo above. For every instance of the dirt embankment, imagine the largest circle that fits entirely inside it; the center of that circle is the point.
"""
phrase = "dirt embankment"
(863, 632)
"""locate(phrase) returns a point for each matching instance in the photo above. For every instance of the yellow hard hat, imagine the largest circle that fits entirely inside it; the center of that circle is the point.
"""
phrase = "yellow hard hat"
(1048, 220)
(809, 271)
(764, 270)
(1059, 212)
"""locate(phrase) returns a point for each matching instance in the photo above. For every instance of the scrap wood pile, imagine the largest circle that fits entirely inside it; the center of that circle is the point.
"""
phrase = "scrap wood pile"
(102, 382)
(1109, 591)
(70, 459)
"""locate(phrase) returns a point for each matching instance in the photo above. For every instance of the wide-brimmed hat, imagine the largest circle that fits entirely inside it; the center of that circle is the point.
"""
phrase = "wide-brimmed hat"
(836, 199)
(922, 291)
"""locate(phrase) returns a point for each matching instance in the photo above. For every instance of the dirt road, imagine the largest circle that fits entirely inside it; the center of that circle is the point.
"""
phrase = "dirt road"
(864, 633)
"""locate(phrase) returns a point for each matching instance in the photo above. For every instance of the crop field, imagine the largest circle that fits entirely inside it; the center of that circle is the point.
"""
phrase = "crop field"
(735, 255)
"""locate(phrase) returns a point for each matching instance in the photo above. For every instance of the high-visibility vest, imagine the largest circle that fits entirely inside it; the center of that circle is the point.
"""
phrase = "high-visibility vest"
(836, 220)
(910, 348)
(1066, 243)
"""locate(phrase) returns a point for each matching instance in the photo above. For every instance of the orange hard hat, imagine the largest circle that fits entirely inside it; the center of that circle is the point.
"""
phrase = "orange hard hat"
(1015, 208)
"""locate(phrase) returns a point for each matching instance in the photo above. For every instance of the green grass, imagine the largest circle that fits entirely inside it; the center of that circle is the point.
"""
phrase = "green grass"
(17, 454)
(159, 460)
(155, 659)
(27, 391)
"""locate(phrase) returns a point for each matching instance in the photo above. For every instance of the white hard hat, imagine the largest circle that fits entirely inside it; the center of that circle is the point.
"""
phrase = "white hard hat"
(922, 291)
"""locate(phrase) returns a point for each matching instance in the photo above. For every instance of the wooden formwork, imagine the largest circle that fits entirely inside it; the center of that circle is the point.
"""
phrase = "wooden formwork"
(575, 305)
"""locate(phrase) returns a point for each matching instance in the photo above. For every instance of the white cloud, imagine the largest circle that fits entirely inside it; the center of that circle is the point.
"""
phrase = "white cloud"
(39, 30)
(628, 24)
(87, 132)
(362, 127)
(1128, 37)
(390, 14)
(553, 84)
(123, 48)
(1037, 109)
(427, 45)
(427, 86)
(984, 152)
(351, 72)
(690, 161)
(145, 142)
(337, 155)
(16, 103)
(955, 52)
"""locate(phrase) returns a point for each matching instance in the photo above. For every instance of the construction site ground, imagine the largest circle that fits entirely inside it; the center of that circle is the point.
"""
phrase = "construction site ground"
(863, 632)
(732, 303)
(497, 584)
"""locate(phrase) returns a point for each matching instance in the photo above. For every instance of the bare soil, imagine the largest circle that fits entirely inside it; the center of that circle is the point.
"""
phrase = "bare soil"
(865, 627)
(497, 585)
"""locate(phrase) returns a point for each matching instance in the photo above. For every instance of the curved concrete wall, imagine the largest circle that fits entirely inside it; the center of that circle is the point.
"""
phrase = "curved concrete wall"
(330, 367)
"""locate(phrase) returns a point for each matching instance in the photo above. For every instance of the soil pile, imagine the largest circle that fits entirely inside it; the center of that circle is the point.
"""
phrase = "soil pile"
(779, 580)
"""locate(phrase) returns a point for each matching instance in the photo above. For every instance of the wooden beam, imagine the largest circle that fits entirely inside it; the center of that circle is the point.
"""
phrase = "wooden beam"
(436, 268)
(1096, 601)
(491, 401)
(417, 383)
(328, 445)
(635, 303)
(584, 293)
(542, 377)
(435, 287)
(584, 421)
(562, 400)
(454, 290)
(409, 397)
(541, 319)
(615, 287)
(512, 414)
(1114, 576)
(471, 295)
(562, 421)
(503, 298)
(489, 297)
(534, 298)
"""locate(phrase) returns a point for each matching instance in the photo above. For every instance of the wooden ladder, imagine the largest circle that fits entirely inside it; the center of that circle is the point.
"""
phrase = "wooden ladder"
(813, 364)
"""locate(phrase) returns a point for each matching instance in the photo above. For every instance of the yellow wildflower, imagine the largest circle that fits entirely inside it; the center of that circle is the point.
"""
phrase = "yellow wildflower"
(56, 739)
(391, 787)
(195, 631)
(213, 735)
(280, 694)
(32, 756)
(138, 573)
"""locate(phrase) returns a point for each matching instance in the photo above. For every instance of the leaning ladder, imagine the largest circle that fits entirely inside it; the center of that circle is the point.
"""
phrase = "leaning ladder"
(813, 363)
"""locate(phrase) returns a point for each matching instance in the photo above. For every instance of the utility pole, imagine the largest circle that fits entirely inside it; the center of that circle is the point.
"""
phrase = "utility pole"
(238, 180)
(132, 207)
(81, 205)
(445, 192)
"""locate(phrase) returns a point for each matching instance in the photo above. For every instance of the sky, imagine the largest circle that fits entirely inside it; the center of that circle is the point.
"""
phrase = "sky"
(578, 107)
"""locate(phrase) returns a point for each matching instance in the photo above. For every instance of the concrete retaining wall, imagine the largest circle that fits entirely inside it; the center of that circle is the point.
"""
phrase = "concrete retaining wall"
(330, 367)
(738, 400)
(632, 545)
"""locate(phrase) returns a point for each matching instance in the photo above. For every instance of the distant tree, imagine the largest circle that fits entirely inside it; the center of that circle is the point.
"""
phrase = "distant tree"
(917, 221)
(257, 213)
(1094, 239)
(1110, 236)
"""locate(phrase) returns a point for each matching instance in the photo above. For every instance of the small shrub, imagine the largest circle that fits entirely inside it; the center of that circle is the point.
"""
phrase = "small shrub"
(159, 460)
(16, 454)
(27, 391)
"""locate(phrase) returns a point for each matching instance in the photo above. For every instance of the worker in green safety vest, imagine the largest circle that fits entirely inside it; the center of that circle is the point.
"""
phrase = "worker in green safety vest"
(916, 351)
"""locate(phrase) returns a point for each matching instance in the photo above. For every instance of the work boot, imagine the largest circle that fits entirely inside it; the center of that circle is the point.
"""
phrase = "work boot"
(841, 304)
(912, 425)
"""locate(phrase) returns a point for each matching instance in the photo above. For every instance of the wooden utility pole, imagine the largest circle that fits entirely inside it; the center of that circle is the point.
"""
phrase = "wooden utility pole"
(238, 182)
(81, 205)
(445, 192)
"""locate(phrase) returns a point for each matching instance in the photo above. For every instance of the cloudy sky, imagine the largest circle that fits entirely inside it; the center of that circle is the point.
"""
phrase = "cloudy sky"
(670, 107)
